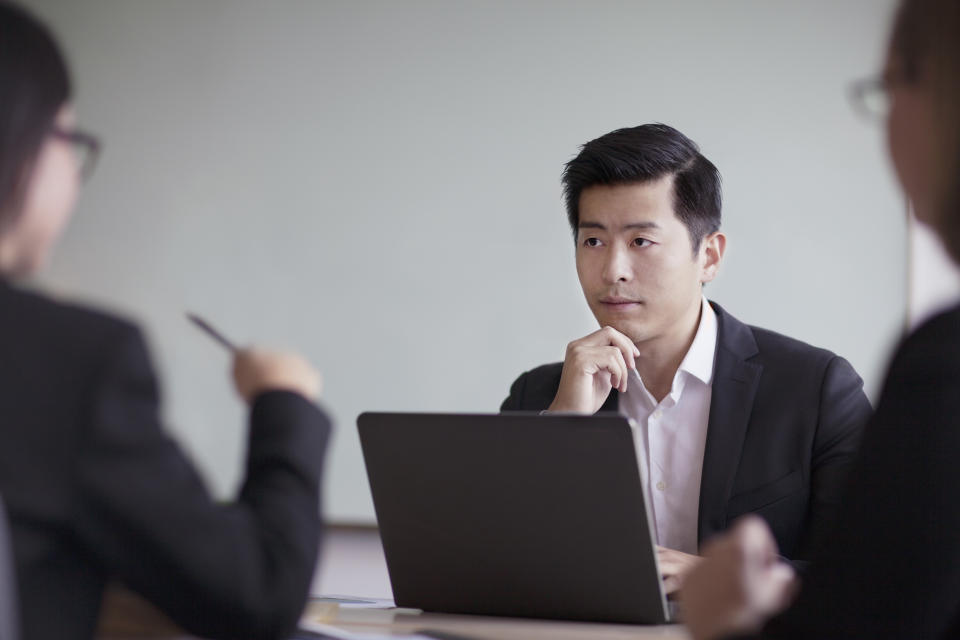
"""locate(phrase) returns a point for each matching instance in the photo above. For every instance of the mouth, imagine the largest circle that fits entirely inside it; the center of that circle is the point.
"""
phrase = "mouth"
(619, 303)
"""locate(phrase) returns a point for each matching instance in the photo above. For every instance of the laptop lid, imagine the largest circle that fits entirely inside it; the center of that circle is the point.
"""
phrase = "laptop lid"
(514, 515)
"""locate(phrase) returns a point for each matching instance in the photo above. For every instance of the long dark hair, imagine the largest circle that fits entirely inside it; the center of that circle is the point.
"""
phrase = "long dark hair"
(34, 86)
(926, 41)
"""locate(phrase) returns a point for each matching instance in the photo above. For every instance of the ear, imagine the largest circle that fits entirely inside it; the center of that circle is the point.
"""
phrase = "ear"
(711, 255)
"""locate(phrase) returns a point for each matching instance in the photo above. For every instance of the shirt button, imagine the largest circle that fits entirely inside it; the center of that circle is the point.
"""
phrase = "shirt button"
(657, 414)
(661, 485)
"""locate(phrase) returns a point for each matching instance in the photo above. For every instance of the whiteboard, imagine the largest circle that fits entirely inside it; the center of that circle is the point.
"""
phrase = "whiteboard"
(376, 183)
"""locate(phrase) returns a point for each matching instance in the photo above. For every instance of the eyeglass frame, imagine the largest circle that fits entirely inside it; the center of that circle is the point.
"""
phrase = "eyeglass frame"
(860, 90)
(87, 141)
(879, 84)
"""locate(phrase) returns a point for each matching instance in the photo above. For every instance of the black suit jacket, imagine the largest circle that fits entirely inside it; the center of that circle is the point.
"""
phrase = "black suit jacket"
(785, 423)
(892, 567)
(95, 489)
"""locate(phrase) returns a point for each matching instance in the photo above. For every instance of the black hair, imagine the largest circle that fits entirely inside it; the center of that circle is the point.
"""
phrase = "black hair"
(643, 154)
(34, 86)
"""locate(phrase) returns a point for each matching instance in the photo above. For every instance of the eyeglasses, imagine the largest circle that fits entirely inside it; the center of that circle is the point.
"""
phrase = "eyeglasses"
(870, 97)
(85, 145)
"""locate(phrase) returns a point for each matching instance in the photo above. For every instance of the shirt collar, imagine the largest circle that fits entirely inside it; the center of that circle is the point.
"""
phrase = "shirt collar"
(699, 359)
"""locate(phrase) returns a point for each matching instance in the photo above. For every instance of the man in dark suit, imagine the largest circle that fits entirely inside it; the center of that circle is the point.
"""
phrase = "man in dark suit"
(732, 419)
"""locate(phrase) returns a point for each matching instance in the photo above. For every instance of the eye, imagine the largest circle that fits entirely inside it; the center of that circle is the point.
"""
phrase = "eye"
(641, 242)
(591, 242)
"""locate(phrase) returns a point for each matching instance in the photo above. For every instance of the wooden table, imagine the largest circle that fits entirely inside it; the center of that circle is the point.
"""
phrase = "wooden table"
(406, 621)
(127, 617)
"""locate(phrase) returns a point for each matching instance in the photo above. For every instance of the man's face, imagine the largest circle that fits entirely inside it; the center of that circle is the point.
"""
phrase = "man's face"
(636, 262)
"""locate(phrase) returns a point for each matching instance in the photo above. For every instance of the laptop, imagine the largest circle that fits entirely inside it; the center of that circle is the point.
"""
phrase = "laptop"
(524, 515)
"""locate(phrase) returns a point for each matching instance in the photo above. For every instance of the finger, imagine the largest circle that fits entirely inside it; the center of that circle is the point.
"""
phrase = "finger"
(621, 366)
(602, 337)
(664, 554)
(671, 584)
(606, 359)
(753, 535)
(779, 588)
(675, 563)
(665, 560)
(241, 359)
(625, 344)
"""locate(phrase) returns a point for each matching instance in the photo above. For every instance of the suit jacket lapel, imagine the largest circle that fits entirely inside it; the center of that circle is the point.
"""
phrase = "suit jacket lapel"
(735, 383)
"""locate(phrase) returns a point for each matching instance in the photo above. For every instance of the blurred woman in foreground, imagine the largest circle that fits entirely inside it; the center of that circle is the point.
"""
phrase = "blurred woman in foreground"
(94, 489)
(892, 567)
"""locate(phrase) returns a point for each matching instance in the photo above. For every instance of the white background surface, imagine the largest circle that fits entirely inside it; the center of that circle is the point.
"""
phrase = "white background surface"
(377, 184)
(934, 279)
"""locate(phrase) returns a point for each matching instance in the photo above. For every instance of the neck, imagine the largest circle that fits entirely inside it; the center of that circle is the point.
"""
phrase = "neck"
(660, 358)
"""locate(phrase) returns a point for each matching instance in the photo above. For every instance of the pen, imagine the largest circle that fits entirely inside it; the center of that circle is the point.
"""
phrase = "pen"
(211, 331)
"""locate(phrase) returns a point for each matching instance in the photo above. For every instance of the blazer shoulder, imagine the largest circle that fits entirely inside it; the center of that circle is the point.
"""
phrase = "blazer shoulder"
(44, 329)
(940, 331)
(535, 389)
(40, 311)
(776, 352)
(549, 371)
(779, 346)
(933, 349)
(797, 361)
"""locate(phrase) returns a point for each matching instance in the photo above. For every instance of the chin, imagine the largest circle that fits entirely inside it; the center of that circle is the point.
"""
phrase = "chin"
(633, 330)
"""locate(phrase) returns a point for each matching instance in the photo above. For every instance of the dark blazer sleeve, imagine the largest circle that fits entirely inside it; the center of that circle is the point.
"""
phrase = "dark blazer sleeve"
(844, 410)
(891, 568)
(238, 570)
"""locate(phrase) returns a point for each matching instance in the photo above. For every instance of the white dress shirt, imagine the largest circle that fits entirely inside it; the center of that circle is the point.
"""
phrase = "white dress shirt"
(671, 436)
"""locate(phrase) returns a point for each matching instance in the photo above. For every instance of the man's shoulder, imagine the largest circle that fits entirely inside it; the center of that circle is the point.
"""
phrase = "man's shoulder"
(63, 330)
(34, 307)
(772, 343)
(767, 345)
(549, 371)
(535, 389)
(933, 348)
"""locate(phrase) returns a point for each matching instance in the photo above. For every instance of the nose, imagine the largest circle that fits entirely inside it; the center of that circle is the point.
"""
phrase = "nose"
(616, 266)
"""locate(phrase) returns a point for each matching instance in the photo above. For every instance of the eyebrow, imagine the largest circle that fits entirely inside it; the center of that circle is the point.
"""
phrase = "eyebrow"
(632, 225)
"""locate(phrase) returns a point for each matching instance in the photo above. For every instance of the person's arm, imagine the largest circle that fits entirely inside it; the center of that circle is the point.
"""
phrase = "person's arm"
(238, 570)
(844, 411)
(738, 585)
(891, 566)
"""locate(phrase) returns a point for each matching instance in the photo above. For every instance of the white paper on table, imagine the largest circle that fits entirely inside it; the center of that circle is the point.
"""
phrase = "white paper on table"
(329, 631)
(354, 602)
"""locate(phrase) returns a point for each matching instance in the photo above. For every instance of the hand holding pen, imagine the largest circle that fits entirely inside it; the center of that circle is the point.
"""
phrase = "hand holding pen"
(257, 370)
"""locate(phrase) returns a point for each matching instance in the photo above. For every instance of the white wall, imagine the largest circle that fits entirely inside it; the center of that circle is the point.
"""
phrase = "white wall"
(377, 184)
(934, 278)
